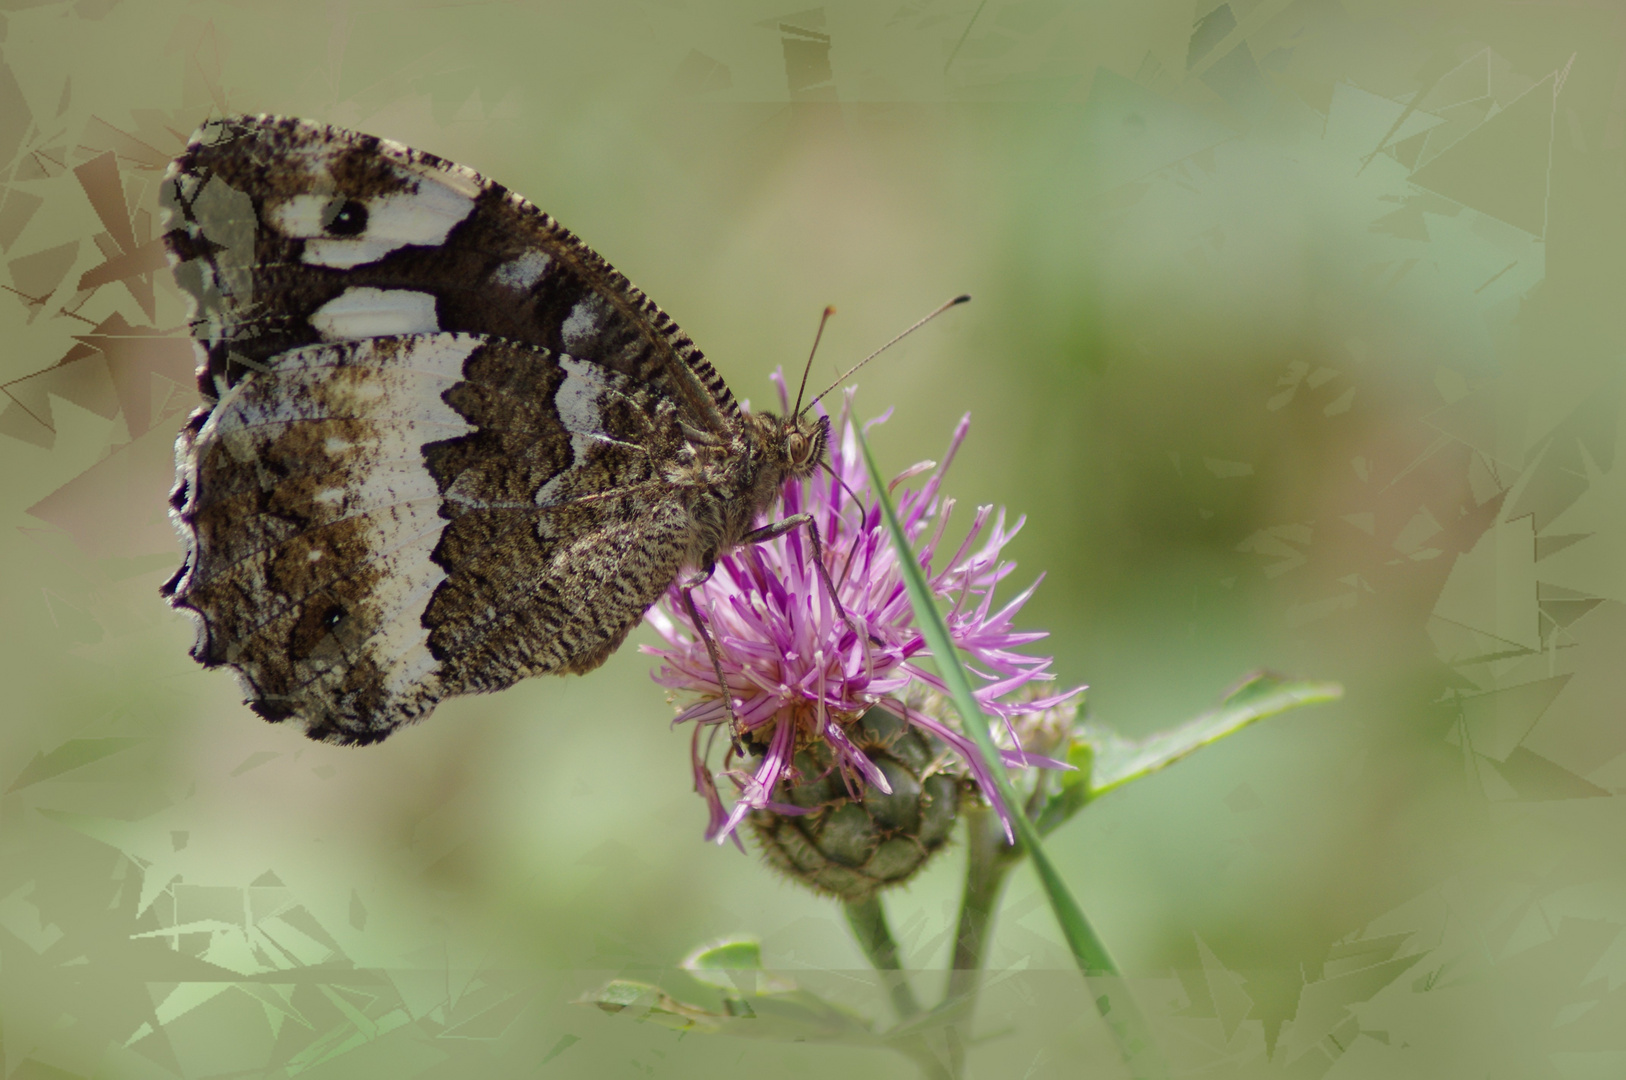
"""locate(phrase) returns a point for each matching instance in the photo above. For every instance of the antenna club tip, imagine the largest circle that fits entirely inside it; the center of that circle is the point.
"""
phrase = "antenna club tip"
(963, 298)
(829, 310)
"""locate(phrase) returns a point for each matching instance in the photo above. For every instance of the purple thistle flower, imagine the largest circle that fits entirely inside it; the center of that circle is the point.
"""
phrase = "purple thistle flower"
(798, 673)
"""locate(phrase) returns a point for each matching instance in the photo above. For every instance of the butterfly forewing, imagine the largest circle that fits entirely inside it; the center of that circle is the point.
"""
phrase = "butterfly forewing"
(289, 233)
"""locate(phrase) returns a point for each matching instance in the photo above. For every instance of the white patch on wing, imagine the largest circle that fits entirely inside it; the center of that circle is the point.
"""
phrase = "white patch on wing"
(426, 217)
(368, 313)
(400, 645)
(522, 273)
(583, 323)
(394, 387)
(577, 403)
(385, 396)
(441, 355)
(345, 254)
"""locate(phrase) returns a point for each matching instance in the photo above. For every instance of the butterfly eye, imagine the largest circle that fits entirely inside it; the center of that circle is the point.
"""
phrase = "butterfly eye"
(346, 218)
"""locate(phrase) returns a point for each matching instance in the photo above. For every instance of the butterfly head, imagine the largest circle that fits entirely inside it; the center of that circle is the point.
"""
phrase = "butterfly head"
(802, 440)
(786, 448)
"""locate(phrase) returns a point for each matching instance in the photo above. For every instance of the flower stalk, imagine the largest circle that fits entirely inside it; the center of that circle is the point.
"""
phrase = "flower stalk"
(984, 880)
(867, 920)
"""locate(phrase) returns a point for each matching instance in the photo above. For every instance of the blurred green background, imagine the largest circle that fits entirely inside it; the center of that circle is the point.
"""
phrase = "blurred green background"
(1297, 336)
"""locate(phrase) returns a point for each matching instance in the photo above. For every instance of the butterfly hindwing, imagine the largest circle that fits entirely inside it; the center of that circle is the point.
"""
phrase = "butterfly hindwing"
(379, 524)
(312, 525)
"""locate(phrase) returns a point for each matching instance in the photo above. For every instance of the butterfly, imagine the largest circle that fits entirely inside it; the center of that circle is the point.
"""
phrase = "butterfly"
(444, 445)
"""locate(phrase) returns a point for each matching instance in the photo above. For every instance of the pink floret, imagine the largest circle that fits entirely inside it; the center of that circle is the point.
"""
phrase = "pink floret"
(798, 673)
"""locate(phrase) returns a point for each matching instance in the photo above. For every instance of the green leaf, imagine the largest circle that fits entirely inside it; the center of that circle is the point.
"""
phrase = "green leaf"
(725, 955)
(653, 1005)
(1075, 789)
(1105, 760)
(757, 1003)
(734, 966)
(1117, 760)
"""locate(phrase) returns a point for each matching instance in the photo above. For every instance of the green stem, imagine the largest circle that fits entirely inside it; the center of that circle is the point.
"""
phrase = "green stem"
(984, 878)
(931, 1066)
(867, 918)
(868, 921)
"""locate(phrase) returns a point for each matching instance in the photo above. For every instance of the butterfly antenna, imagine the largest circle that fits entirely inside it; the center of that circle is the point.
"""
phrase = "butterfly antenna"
(922, 322)
(829, 310)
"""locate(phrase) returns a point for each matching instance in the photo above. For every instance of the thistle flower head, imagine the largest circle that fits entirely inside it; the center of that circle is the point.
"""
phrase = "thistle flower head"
(800, 674)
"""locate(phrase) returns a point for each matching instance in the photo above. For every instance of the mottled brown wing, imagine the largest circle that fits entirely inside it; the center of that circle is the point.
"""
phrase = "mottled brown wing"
(289, 233)
(380, 524)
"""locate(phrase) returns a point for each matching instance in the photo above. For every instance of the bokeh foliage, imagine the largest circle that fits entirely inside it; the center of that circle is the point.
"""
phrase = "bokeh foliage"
(1296, 335)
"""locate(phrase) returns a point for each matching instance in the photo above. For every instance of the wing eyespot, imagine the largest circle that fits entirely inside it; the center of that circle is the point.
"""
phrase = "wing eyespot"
(345, 217)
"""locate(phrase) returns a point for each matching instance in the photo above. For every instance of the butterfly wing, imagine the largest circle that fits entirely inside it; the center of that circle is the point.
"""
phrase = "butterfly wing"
(290, 233)
(435, 452)
(380, 524)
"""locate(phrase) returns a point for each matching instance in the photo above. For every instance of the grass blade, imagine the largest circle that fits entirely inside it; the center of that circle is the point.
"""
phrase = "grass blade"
(1089, 952)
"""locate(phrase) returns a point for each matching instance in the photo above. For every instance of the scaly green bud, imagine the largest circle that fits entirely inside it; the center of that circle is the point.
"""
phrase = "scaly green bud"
(849, 848)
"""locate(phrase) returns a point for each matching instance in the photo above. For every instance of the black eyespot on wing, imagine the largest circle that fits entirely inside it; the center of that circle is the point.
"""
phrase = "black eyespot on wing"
(347, 218)
(313, 627)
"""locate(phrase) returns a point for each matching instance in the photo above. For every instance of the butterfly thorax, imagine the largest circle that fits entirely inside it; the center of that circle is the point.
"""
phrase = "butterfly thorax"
(738, 482)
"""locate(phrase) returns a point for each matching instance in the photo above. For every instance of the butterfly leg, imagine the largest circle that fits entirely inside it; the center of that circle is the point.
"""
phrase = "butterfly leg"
(775, 529)
(735, 727)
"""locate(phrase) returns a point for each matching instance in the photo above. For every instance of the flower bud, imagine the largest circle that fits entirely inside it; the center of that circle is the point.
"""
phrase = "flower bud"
(1047, 732)
(849, 848)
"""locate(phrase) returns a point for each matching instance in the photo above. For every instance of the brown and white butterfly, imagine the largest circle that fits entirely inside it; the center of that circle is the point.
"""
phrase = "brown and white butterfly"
(444, 444)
